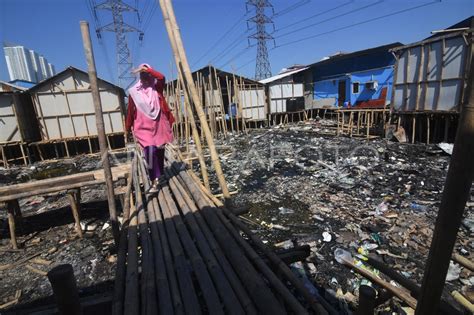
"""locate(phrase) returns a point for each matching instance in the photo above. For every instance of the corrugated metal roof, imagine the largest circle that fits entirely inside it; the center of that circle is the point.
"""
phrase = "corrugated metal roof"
(68, 69)
(10, 87)
(282, 75)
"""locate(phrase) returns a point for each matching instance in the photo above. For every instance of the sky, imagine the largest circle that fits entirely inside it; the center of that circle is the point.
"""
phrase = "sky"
(216, 31)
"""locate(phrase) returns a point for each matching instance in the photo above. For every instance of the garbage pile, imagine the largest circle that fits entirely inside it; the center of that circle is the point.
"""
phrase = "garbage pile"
(47, 235)
(377, 197)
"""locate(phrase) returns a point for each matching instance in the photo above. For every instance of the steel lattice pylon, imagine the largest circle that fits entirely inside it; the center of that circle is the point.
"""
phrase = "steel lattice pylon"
(262, 67)
(120, 28)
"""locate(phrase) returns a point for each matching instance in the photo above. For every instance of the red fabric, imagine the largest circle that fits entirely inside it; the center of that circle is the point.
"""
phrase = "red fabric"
(377, 103)
(160, 84)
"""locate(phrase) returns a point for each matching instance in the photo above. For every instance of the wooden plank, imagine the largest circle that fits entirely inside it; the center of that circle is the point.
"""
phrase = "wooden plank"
(45, 183)
(49, 190)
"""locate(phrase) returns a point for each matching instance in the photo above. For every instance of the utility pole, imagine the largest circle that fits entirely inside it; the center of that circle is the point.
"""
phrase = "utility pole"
(120, 28)
(99, 118)
(457, 189)
(262, 67)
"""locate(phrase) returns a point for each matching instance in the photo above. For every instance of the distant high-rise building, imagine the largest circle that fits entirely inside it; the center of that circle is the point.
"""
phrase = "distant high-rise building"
(26, 64)
(52, 70)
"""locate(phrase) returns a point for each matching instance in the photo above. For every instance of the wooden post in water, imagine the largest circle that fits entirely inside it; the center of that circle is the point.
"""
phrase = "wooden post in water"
(89, 53)
(183, 67)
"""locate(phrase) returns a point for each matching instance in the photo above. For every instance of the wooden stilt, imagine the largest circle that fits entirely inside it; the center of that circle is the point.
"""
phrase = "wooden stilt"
(368, 125)
(75, 208)
(428, 129)
(66, 148)
(447, 123)
(23, 154)
(413, 129)
(11, 222)
(358, 123)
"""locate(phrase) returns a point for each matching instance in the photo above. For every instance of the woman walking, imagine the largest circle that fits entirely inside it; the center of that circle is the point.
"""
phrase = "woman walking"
(150, 119)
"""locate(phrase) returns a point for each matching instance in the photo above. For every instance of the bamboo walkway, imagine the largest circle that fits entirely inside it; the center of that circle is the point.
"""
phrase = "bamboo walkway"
(182, 252)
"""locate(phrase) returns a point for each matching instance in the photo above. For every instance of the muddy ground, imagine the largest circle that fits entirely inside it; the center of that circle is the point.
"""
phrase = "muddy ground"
(47, 232)
(300, 183)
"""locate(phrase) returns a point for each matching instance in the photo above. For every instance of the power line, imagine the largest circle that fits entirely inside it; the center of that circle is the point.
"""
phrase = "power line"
(212, 47)
(347, 27)
(236, 55)
(332, 18)
(150, 16)
(360, 23)
(229, 47)
(291, 8)
(315, 15)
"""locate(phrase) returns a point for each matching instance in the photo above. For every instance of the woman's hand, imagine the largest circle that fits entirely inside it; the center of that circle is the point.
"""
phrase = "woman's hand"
(141, 69)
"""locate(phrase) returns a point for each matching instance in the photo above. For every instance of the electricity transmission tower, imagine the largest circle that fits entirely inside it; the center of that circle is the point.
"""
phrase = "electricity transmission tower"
(262, 67)
(120, 28)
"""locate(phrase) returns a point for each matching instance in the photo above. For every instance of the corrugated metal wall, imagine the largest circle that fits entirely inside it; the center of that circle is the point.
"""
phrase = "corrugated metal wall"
(430, 76)
(253, 103)
(65, 108)
(281, 91)
(17, 119)
(9, 129)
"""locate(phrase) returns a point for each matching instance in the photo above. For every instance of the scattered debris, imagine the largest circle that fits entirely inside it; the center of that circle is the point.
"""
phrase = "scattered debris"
(446, 147)
(381, 193)
(453, 272)
(327, 237)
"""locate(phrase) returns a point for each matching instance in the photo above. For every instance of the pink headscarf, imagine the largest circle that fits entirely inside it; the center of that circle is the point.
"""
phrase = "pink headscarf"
(146, 97)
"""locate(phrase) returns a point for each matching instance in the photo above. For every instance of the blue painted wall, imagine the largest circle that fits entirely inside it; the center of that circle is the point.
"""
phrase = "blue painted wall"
(384, 77)
(330, 88)
(355, 62)
(372, 64)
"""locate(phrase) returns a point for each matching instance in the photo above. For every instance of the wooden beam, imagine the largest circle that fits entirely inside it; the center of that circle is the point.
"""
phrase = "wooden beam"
(455, 195)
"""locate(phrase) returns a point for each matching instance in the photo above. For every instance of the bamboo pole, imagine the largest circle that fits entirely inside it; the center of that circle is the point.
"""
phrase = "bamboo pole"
(175, 36)
(166, 282)
(217, 262)
(229, 97)
(200, 198)
(200, 270)
(119, 284)
(180, 264)
(88, 51)
(270, 254)
(401, 293)
(212, 105)
(131, 296)
(147, 279)
(264, 299)
(221, 103)
(189, 112)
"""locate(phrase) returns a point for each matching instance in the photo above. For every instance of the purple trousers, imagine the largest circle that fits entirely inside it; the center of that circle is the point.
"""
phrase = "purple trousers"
(155, 159)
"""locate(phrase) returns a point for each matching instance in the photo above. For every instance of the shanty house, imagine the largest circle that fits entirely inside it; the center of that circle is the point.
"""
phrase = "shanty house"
(225, 94)
(431, 74)
(430, 83)
(18, 125)
(65, 109)
(361, 79)
(285, 90)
